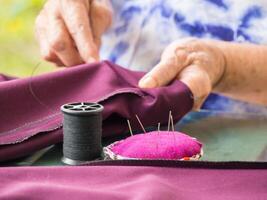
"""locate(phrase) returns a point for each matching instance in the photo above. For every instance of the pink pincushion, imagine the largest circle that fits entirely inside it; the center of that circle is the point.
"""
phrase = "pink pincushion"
(156, 145)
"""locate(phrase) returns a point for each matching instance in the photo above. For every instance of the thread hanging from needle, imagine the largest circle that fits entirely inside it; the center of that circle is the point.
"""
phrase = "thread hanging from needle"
(139, 121)
(34, 94)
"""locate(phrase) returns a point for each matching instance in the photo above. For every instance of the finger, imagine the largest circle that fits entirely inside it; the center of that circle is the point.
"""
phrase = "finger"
(198, 82)
(61, 43)
(41, 35)
(166, 70)
(59, 63)
(101, 18)
(75, 14)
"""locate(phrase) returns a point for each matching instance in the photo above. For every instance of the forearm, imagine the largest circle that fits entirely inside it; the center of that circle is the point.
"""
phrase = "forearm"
(245, 75)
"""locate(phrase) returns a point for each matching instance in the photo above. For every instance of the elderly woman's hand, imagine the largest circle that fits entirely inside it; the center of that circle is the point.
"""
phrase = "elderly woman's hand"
(69, 31)
(197, 63)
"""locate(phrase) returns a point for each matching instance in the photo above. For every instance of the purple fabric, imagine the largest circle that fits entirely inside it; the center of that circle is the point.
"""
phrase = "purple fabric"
(158, 145)
(137, 183)
(31, 119)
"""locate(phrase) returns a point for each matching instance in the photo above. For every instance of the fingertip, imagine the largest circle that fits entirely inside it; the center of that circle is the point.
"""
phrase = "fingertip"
(90, 56)
(198, 104)
(91, 60)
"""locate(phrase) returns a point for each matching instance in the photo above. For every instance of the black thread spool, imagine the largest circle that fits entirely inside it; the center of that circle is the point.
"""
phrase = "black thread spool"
(82, 132)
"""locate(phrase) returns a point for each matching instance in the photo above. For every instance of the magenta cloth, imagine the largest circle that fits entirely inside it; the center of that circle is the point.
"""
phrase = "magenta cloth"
(132, 183)
(30, 107)
(158, 145)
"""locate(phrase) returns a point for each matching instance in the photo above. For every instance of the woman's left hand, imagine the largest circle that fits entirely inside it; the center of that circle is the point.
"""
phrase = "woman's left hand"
(198, 63)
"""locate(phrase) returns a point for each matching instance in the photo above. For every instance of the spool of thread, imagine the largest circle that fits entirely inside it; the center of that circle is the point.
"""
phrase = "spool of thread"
(82, 132)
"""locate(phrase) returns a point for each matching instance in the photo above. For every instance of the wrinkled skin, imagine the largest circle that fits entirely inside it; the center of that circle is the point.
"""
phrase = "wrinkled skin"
(69, 31)
(233, 69)
(197, 63)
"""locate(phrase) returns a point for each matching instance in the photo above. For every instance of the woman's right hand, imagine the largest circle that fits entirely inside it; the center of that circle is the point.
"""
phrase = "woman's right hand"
(69, 31)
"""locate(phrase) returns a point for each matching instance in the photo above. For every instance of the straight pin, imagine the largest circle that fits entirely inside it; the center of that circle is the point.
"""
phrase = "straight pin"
(157, 139)
(158, 127)
(140, 123)
(130, 129)
(169, 120)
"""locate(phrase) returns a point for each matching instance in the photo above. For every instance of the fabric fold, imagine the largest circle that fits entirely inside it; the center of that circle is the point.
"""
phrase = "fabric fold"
(30, 107)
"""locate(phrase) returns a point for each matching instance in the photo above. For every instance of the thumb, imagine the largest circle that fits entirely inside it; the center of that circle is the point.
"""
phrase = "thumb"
(164, 72)
(198, 82)
(160, 75)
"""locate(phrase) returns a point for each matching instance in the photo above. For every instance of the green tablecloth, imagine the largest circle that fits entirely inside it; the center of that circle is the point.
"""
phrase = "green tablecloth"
(226, 137)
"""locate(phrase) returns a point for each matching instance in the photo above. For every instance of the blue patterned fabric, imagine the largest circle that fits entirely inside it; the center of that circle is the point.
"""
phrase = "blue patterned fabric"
(143, 28)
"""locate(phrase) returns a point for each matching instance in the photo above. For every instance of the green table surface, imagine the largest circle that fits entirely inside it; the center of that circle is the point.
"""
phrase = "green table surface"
(226, 137)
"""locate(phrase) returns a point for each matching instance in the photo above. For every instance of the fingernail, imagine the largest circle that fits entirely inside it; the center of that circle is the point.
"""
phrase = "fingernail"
(147, 82)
